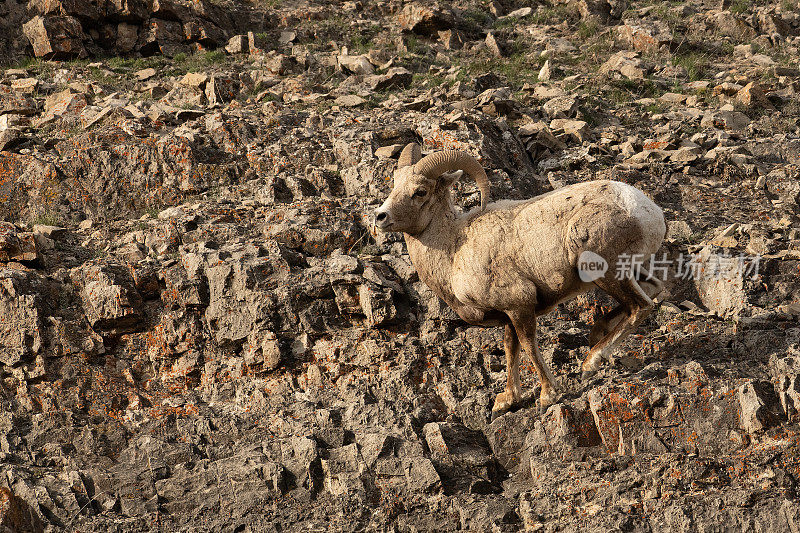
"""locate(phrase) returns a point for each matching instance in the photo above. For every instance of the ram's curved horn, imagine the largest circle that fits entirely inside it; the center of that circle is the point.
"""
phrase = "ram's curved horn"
(436, 164)
(410, 155)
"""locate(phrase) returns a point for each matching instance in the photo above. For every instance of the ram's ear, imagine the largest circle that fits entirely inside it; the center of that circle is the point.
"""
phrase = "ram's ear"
(448, 178)
(410, 155)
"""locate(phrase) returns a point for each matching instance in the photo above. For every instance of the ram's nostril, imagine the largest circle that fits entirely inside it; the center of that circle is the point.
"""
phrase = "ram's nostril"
(380, 217)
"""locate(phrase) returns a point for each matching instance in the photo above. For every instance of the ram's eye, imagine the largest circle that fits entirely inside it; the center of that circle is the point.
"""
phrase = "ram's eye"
(419, 193)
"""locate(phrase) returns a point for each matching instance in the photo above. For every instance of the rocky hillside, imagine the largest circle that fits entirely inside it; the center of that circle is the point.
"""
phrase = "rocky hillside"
(199, 332)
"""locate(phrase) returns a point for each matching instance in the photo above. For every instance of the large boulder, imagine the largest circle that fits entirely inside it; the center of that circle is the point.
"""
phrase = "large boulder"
(16, 514)
(20, 317)
(110, 300)
(425, 20)
(118, 172)
(604, 10)
(16, 245)
(463, 458)
(55, 37)
(13, 102)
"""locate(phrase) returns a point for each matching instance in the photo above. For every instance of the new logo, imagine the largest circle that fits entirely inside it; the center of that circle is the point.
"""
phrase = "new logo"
(591, 266)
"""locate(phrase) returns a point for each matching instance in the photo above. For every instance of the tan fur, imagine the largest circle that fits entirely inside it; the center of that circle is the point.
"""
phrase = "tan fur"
(514, 260)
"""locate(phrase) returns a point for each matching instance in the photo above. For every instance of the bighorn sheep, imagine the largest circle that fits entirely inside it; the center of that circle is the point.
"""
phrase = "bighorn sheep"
(507, 262)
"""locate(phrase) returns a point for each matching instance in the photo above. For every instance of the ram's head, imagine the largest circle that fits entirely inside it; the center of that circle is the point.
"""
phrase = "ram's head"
(421, 186)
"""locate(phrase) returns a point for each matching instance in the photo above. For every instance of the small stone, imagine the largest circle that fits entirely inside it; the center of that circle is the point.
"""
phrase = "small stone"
(355, 64)
(255, 43)
(54, 232)
(579, 129)
(13, 103)
(287, 37)
(349, 100)
(377, 304)
(194, 79)
(626, 63)
(264, 351)
(279, 64)
(544, 72)
(25, 85)
(386, 152)
(756, 411)
(645, 35)
(493, 46)
(451, 39)
(145, 74)
(561, 107)
(673, 98)
(752, 95)
(727, 88)
(62, 104)
(519, 13)
(16, 73)
(237, 45)
(16, 245)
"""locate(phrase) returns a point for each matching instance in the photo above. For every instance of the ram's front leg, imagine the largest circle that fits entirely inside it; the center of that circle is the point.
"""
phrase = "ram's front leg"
(513, 393)
(525, 326)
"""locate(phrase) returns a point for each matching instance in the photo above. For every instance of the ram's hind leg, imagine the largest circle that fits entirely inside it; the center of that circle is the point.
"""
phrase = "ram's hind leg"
(635, 305)
(603, 325)
(513, 393)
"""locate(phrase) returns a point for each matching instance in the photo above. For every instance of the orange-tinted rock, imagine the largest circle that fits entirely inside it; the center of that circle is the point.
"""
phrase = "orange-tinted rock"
(55, 37)
(16, 515)
(752, 95)
(11, 101)
(16, 246)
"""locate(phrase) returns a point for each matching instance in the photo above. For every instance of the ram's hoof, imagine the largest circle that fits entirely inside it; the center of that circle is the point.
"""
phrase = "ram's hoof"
(544, 403)
(586, 375)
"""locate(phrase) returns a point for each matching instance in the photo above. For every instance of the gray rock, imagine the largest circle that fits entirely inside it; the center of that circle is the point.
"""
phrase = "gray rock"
(424, 20)
(395, 77)
(720, 283)
(21, 325)
(110, 299)
(463, 459)
(785, 371)
(377, 304)
(756, 408)
(494, 47)
(561, 107)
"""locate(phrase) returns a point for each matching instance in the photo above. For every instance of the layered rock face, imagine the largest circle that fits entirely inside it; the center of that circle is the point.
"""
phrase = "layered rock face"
(200, 331)
(68, 29)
